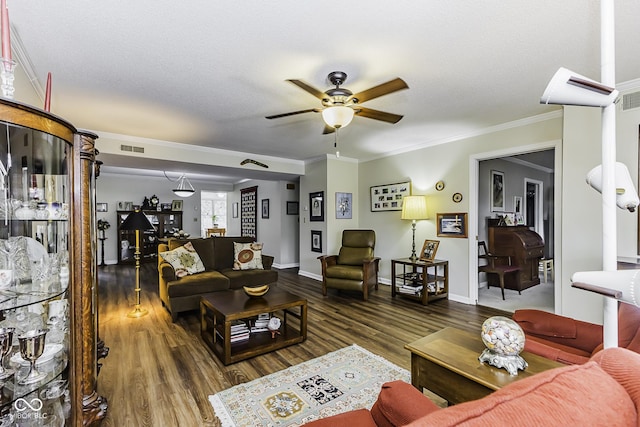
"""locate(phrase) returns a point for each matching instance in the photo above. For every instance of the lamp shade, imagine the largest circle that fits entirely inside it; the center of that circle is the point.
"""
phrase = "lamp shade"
(337, 116)
(626, 196)
(136, 221)
(414, 207)
(569, 88)
(184, 189)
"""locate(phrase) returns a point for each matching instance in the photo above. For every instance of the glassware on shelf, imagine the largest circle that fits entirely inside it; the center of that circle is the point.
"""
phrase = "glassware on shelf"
(25, 211)
(52, 403)
(6, 341)
(32, 347)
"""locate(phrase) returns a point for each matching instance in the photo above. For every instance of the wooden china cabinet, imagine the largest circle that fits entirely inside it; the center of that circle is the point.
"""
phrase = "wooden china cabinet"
(47, 202)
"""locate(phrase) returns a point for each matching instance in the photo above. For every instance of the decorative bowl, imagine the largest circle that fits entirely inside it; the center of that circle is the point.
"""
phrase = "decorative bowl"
(504, 340)
(256, 291)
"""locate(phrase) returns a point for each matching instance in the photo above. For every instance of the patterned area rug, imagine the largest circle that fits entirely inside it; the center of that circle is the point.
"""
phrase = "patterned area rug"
(346, 379)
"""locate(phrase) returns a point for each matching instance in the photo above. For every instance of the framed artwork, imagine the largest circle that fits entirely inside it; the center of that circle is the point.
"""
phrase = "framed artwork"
(316, 241)
(176, 205)
(389, 197)
(293, 208)
(452, 224)
(249, 212)
(234, 212)
(429, 249)
(497, 191)
(517, 208)
(102, 207)
(316, 203)
(265, 208)
(165, 206)
(344, 205)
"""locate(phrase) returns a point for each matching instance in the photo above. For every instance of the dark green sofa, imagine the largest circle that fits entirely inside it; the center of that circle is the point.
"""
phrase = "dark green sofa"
(183, 294)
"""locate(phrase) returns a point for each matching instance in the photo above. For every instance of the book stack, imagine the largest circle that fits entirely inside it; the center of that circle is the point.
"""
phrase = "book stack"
(410, 290)
(239, 332)
(260, 324)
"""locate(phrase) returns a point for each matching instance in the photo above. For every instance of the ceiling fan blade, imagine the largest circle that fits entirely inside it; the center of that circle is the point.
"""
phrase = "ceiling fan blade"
(328, 129)
(383, 89)
(312, 90)
(277, 116)
(377, 114)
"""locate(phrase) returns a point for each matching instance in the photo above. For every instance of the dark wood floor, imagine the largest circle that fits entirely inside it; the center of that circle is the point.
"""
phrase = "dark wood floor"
(160, 373)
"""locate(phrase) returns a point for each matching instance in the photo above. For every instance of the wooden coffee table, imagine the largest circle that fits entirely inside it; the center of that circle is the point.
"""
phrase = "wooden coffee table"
(220, 309)
(446, 363)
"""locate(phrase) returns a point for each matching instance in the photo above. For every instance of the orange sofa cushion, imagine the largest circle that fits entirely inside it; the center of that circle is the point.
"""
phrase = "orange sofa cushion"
(399, 403)
(577, 395)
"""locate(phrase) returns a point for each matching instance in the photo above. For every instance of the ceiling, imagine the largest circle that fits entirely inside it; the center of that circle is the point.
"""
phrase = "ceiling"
(207, 73)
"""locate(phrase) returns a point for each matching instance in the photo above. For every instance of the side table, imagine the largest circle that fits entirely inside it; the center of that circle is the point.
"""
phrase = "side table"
(425, 281)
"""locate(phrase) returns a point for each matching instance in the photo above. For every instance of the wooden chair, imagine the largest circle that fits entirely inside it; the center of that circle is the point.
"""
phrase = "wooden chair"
(355, 268)
(499, 265)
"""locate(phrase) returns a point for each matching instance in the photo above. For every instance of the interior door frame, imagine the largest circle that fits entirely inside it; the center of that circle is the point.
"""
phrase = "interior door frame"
(539, 207)
(474, 178)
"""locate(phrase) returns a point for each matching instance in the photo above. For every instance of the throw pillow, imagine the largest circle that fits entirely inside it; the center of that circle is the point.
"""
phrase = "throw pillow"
(247, 256)
(184, 260)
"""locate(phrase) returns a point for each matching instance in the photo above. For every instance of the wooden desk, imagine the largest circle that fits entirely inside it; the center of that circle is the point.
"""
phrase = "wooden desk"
(216, 232)
(446, 363)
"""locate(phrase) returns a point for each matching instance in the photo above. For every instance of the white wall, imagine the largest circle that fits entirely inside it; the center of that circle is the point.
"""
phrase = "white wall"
(315, 179)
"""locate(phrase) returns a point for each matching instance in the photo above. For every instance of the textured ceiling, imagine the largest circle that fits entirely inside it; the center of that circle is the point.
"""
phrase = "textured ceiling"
(208, 72)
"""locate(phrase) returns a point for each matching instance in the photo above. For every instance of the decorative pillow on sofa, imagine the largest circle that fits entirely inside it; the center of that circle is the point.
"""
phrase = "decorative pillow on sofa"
(247, 256)
(184, 260)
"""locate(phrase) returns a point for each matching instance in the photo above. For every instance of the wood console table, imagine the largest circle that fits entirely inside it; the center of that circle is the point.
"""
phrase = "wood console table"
(446, 363)
(425, 281)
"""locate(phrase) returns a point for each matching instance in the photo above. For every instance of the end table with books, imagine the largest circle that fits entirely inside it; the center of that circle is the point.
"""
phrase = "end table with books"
(425, 281)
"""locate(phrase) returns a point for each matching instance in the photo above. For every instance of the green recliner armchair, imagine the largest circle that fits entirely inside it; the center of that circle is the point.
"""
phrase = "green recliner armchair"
(355, 268)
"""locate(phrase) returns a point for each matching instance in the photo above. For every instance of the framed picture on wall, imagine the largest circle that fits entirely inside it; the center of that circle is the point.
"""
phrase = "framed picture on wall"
(292, 208)
(452, 224)
(388, 197)
(344, 205)
(265, 208)
(316, 241)
(102, 207)
(497, 191)
(316, 206)
(176, 205)
(234, 212)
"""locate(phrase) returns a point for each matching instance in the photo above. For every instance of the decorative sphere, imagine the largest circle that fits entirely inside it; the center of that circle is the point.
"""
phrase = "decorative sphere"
(503, 336)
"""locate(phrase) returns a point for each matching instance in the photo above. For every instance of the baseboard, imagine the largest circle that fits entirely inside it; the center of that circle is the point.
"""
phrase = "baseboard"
(285, 266)
(310, 275)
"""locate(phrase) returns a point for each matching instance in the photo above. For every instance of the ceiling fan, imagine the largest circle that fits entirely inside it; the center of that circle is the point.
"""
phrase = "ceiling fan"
(340, 104)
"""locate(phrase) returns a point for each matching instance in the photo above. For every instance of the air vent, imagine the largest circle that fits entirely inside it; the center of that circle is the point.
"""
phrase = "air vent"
(131, 148)
(631, 101)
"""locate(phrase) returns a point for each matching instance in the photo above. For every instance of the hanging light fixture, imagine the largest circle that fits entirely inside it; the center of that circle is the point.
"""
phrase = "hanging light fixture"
(184, 188)
(337, 116)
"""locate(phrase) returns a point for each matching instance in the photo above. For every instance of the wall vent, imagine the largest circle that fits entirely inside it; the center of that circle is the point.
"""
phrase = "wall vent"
(630, 101)
(131, 148)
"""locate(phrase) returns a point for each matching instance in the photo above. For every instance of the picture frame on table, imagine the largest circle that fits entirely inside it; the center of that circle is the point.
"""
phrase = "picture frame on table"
(451, 224)
(316, 241)
(389, 197)
(497, 191)
(176, 205)
(293, 208)
(265, 208)
(429, 249)
(102, 207)
(165, 206)
(344, 205)
(316, 206)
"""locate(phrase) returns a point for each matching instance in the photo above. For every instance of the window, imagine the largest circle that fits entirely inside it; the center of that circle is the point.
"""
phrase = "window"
(213, 210)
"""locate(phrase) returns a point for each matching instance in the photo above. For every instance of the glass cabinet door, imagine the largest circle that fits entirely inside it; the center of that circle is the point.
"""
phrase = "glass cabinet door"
(34, 274)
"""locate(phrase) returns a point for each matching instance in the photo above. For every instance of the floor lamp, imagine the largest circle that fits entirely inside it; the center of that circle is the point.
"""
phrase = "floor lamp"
(414, 208)
(137, 221)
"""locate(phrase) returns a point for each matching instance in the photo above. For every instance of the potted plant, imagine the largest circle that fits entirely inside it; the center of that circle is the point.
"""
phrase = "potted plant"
(214, 218)
(103, 225)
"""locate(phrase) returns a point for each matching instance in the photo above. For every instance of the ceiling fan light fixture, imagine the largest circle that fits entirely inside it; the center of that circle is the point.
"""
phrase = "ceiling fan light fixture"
(184, 189)
(337, 116)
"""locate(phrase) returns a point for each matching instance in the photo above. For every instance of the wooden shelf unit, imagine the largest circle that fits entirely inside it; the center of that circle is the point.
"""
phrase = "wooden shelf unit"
(424, 281)
(163, 221)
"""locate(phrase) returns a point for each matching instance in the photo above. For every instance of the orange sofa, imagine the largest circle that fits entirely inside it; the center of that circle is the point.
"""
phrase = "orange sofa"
(570, 341)
(603, 391)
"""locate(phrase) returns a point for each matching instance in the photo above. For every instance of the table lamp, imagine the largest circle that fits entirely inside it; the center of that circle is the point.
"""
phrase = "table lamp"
(414, 208)
(137, 221)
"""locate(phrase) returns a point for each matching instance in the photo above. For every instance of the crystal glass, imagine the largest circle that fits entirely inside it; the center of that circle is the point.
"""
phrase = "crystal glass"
(6, 340)
(32, 347)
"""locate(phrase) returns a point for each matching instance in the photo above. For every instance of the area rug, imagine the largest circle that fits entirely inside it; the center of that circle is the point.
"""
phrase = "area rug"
(346, 379)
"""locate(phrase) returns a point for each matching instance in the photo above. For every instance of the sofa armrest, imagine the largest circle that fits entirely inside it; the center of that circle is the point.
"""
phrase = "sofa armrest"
(400, 403)
(167, 271)
(267, 261)
(328, 260)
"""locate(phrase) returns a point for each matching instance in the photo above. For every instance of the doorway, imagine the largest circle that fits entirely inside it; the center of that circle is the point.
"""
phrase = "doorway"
(529, 190)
